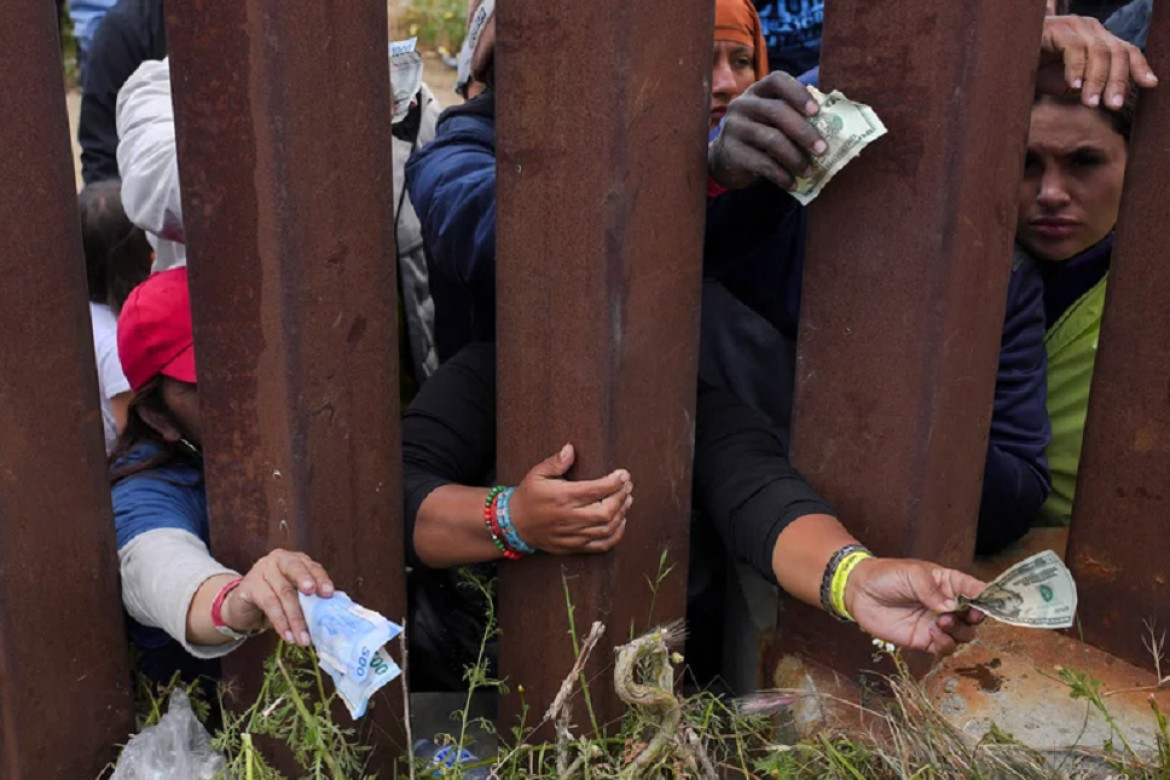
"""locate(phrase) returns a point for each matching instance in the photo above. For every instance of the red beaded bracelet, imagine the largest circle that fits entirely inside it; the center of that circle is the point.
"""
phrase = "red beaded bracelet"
(489, 514)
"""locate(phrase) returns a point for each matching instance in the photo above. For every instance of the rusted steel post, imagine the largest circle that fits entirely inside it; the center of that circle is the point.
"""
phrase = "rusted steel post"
(283, 118)
(1119, 547)
(64, 674)
(601, 171)
(905, 285)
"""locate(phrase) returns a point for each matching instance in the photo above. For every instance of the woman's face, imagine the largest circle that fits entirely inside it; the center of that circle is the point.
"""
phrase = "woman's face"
(182, 399)
(732, 72)
(1073, 175)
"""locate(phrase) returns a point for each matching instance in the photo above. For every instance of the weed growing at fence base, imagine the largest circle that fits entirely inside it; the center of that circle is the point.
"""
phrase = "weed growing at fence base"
(665, 735)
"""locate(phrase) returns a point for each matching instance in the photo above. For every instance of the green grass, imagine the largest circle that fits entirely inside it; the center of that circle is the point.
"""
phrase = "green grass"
(663, 734)
(437, 23)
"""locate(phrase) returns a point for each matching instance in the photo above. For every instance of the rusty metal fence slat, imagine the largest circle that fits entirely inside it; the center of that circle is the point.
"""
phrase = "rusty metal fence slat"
(64, 676)
(906, 280)
(1119, 543)
(601, 127)
(284, 140)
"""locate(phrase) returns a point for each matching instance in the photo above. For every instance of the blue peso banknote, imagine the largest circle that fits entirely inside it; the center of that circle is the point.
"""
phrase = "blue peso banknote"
(346, 635)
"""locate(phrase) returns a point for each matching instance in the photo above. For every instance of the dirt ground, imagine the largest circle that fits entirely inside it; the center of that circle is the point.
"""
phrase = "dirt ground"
(437, 76)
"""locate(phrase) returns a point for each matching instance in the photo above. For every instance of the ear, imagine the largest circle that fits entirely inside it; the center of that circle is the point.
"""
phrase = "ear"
(162, 422)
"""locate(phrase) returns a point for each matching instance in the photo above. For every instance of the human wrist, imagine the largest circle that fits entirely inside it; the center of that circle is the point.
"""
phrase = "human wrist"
(235, 614)
(838, 573)
(855, 585)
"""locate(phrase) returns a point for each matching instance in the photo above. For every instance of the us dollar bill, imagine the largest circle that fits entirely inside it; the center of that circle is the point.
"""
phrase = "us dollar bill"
(847, 128)
(1038, 592)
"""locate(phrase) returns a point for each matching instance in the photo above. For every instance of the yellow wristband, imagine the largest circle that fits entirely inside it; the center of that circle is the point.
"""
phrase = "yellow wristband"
(841, 579)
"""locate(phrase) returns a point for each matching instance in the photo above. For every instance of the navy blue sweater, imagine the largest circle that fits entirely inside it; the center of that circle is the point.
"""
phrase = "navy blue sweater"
(755, 246)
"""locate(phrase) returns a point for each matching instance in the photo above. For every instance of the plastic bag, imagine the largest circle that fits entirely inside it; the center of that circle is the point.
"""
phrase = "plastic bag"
(176, 748)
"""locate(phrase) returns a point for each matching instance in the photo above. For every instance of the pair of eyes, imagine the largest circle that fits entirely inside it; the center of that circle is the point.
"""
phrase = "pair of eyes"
(1081, 159)
(739, 60)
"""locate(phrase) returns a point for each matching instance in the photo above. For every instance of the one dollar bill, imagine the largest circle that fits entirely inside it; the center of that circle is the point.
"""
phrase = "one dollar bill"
(1038, 592)
(847, 128)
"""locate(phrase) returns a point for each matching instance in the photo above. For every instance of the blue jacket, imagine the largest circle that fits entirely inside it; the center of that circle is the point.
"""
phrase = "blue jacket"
(755, 247)
(792, 30)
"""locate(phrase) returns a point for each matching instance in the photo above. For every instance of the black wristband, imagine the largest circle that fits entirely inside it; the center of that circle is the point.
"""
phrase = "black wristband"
(827, 577)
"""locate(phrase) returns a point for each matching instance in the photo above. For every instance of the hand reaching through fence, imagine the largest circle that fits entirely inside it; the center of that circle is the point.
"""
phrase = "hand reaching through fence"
(563, 517)
(1077, 53)
(912, 603)
(766, 134)
(266, 595)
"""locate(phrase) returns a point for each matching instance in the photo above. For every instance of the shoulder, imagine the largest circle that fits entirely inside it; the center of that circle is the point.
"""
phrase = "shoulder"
(170, 496)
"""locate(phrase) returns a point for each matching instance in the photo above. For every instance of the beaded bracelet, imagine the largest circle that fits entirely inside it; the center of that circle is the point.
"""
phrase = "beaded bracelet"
(498, 532)
(489, 514)
(833, 584)
(511, 535)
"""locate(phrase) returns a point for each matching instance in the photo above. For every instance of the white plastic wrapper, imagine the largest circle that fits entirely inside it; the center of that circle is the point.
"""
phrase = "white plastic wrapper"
(175, 748)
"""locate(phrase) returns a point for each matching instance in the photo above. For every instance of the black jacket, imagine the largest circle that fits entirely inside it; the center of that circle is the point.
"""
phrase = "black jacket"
(132, 32)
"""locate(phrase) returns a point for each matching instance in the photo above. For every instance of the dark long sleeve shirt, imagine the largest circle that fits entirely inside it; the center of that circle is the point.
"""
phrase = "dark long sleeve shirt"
(742, 478)
(755, 248)
(132, 32)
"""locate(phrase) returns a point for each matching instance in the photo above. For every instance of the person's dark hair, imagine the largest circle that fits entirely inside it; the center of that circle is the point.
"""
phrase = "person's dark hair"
(138, 431)
(117, 254)
(1121, 120)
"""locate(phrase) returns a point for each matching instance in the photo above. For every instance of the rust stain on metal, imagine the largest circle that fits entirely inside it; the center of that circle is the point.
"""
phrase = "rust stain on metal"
(1123, 491)
(284, 144)
(1090, 567)
(905, 284)
(983, 674)
(599, 241)
(1025, 667)
(64, 677)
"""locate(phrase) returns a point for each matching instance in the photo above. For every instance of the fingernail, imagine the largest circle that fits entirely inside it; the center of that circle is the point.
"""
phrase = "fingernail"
(305, 638)
(307, 586)
(327, 588)
(565, 451)
(1077, 83)
(811, 107)
(820, 147)
(1116, 101)
(288, 637)
(1094, 100)
(624, 476)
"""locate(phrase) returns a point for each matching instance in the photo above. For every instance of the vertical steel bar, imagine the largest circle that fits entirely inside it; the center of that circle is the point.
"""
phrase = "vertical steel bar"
(64, 677)
(1119, 548)
(283, 120)
(906, 280)
(601, 121)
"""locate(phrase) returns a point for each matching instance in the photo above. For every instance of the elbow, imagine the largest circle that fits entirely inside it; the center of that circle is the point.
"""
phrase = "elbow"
(426, 548)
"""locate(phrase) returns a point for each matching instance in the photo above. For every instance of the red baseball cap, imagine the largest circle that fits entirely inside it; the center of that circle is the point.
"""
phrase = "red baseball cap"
(154, 330)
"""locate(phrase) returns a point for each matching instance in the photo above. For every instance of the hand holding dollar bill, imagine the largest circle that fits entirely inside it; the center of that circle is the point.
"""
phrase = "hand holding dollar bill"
(350, 640)
(847, 128)
(1038, 592)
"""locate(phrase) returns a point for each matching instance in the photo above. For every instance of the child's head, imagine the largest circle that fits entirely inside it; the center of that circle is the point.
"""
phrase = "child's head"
(117, 254)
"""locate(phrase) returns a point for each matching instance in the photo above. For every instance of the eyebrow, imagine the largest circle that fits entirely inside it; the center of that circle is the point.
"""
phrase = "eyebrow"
(1081, 149)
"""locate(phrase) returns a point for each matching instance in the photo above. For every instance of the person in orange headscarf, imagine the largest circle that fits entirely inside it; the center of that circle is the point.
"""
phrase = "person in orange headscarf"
(740, 57)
